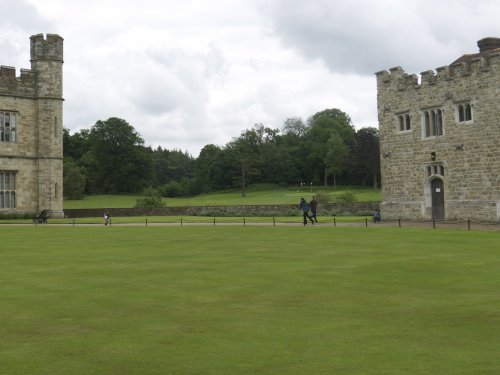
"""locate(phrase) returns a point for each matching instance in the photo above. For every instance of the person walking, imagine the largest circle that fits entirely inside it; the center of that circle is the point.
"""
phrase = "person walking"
(107, 217)
(313, 204)
(305, 211)
(376, 216)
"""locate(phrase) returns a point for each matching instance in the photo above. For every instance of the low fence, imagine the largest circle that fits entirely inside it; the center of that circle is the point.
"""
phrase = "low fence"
(332, 222)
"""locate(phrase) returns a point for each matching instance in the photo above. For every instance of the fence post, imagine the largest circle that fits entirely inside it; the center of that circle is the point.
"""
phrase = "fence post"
(244, 222)
(181, 221)
(334, 222)
(366, 222)
(434, 223)
(399, 221)
(146, 221)
(109, 221)
(274, 221)
(468, 224)
(214, 221)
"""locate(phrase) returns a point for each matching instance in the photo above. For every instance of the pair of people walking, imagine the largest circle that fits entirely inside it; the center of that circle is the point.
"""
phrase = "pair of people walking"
(306, 207)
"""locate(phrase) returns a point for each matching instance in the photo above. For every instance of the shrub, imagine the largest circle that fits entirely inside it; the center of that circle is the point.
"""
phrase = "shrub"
(172, 189)
(323, 198)
(347, 196)
(150, 198)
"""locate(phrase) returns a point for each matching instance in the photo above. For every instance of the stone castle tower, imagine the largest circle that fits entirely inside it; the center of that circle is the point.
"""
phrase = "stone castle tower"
(31, 131)
(440, 139)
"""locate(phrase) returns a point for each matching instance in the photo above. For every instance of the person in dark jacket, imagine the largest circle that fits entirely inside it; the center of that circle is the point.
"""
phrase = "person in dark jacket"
(313, 204)
(305, 210)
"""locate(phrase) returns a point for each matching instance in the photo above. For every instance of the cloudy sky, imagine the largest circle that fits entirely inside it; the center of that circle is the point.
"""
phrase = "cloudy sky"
(189, 73)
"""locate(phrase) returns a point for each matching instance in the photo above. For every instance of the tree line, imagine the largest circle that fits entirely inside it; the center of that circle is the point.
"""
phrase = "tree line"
(326, 149)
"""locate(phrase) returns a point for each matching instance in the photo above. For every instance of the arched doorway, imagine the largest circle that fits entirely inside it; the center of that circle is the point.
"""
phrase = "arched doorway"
(437, 192)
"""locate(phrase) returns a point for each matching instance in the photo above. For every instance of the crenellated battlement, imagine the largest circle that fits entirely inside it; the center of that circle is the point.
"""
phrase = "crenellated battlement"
(49, 48)
(44, 50)
(22, 86)
(488, 61)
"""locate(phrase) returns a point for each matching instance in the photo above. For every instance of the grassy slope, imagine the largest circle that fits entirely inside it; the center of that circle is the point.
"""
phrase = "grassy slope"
(266, 195)
(248, 300)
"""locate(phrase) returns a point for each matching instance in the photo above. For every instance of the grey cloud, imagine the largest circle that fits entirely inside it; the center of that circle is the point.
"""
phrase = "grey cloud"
(363, 37)
(21, 15)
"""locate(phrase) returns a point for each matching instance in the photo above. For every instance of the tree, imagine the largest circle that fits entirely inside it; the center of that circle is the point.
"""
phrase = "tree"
(245, 151)
(335, 156)
(367, 154)
(171, 165)
(210, 169)
(76, 145)
(321, 127)
(120, 162)
(74, 180)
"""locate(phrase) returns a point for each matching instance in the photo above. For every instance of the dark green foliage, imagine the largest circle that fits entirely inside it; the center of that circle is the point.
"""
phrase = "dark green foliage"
(118, 161)
(325, 150)
(74, 180)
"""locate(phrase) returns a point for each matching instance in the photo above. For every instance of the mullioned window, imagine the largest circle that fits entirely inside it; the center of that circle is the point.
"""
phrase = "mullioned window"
(8, 130)
(7, 189)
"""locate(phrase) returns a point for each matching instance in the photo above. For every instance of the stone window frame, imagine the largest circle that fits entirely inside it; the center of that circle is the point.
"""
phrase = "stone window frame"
(8, 126)
(403, 122)
(435, 170)
(464, 112)
(8, 189)
(432, 122)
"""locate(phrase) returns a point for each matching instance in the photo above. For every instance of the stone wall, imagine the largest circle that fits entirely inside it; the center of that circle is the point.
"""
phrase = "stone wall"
(355, 208)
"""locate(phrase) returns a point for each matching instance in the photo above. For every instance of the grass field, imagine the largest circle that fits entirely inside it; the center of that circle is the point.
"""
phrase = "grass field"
(248, 300)
(256, 195)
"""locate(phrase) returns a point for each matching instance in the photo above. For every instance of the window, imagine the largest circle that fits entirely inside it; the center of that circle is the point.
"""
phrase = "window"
(433, 123)
(7, 189)
(464, 112)
(435, 170)
(404, 123)
(7, 127)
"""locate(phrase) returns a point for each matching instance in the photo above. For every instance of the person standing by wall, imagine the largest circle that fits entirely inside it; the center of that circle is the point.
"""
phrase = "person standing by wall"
(313, 204)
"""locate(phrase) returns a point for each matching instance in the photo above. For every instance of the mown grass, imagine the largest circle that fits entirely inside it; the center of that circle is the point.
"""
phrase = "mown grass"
(256, 195)
(248, 300)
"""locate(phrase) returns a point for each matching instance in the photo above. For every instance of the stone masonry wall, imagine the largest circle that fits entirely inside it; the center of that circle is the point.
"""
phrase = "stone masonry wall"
(468, 151)
(37, 154)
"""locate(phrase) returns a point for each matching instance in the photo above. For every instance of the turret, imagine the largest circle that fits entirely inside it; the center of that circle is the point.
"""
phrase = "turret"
(46, 63)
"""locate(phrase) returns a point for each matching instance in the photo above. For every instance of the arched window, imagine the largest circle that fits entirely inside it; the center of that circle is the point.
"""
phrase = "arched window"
(427, 124)
(407, 122)
(461, 115)
(464, 112)
(433, 123)
(468, 112)
(439, 122)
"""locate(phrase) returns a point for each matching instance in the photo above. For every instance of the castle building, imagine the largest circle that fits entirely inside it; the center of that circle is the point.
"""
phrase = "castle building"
(440, 139)
(31, 131)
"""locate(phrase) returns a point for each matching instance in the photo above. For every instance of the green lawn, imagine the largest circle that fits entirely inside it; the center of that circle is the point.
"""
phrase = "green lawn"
(248, 300)
(257, 195)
